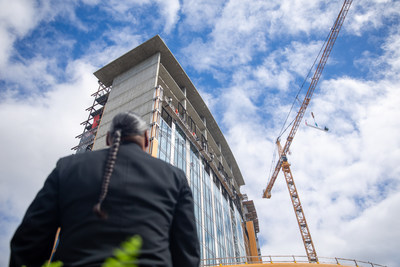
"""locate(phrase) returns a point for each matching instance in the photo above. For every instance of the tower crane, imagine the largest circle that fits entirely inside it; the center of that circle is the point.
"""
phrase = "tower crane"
(282, 162)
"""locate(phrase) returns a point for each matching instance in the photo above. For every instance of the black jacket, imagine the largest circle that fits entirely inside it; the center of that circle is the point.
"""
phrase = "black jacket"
(146, 196)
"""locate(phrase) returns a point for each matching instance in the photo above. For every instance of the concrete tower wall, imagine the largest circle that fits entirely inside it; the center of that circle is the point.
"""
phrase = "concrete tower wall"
(131, 91)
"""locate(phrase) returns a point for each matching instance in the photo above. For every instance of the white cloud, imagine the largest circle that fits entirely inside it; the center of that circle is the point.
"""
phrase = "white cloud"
(235, 38)
(343, 177)
(122, 7)
(348, 178)
(42, 106)
(200, 14)
(101, 52)
(245, 28)
(36, 132)
(296, 17)
(21, 24)
(166, 17)
(18, 18)
(280, 68)
(209, 100)
(5, 46)
(371, 14)
(12, 26)
(372, 233)
(169, 9)
(242, 29)
(32, 75)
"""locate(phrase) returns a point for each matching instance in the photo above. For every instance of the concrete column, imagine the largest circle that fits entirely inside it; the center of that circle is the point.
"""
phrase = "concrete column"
(184, 100)
(173, 132)
(188, 160)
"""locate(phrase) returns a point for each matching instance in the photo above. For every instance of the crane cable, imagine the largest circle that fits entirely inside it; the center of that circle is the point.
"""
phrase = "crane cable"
(301, 87)
(273, 162)
(294, 101)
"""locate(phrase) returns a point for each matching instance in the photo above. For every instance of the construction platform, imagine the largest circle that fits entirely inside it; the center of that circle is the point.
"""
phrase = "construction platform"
(285, 261)
(283, 265)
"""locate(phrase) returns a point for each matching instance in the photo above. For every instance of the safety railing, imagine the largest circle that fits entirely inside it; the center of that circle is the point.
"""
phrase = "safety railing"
(248, 260)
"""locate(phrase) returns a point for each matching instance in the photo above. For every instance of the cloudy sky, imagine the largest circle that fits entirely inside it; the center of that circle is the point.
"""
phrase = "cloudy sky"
(248, 59)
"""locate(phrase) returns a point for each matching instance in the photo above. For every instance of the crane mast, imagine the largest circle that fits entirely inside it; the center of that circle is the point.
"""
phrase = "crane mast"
(282, 162)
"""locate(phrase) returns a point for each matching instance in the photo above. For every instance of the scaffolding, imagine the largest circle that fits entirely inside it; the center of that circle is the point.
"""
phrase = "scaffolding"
(91, 124)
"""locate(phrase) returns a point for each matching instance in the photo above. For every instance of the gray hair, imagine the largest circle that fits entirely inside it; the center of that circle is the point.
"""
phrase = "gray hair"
(123, 125)
(129, 123)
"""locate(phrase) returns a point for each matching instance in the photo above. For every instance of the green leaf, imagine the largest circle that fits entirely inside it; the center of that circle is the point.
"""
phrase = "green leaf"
(127, 255)
(53, 264)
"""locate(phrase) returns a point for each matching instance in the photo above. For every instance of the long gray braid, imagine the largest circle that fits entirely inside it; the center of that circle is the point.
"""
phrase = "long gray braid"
(123, 125)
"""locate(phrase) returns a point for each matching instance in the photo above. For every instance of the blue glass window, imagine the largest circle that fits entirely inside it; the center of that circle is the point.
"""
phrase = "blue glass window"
(209, 219)
(164, 146)
(196, 190)
(228, 230)
(219, 221)
(180, 149)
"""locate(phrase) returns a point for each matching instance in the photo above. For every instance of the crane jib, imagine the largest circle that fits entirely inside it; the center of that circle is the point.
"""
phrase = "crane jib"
(282, 162)
(314, 81)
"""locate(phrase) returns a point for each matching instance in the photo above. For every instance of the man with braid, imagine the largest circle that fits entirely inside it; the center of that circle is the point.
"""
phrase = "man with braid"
(100, 199)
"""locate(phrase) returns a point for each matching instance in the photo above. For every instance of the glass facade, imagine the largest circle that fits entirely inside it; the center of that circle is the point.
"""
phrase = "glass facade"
(195, 185)
(209, 241)
(218, 221)
(164, 147)
(180, 149)
(230, 252)
(240, 235)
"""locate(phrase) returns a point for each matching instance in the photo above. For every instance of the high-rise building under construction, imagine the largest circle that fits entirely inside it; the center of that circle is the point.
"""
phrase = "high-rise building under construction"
(149, 81)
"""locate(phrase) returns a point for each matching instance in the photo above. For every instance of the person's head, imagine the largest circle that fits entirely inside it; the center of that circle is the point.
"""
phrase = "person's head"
(130, 127)
(125, 127)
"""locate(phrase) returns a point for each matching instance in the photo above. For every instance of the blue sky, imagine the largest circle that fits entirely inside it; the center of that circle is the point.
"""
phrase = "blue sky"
(248, 60)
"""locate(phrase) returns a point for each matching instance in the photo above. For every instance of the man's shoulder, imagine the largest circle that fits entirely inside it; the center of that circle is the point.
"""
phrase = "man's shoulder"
(82, 157)
(164, 164)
